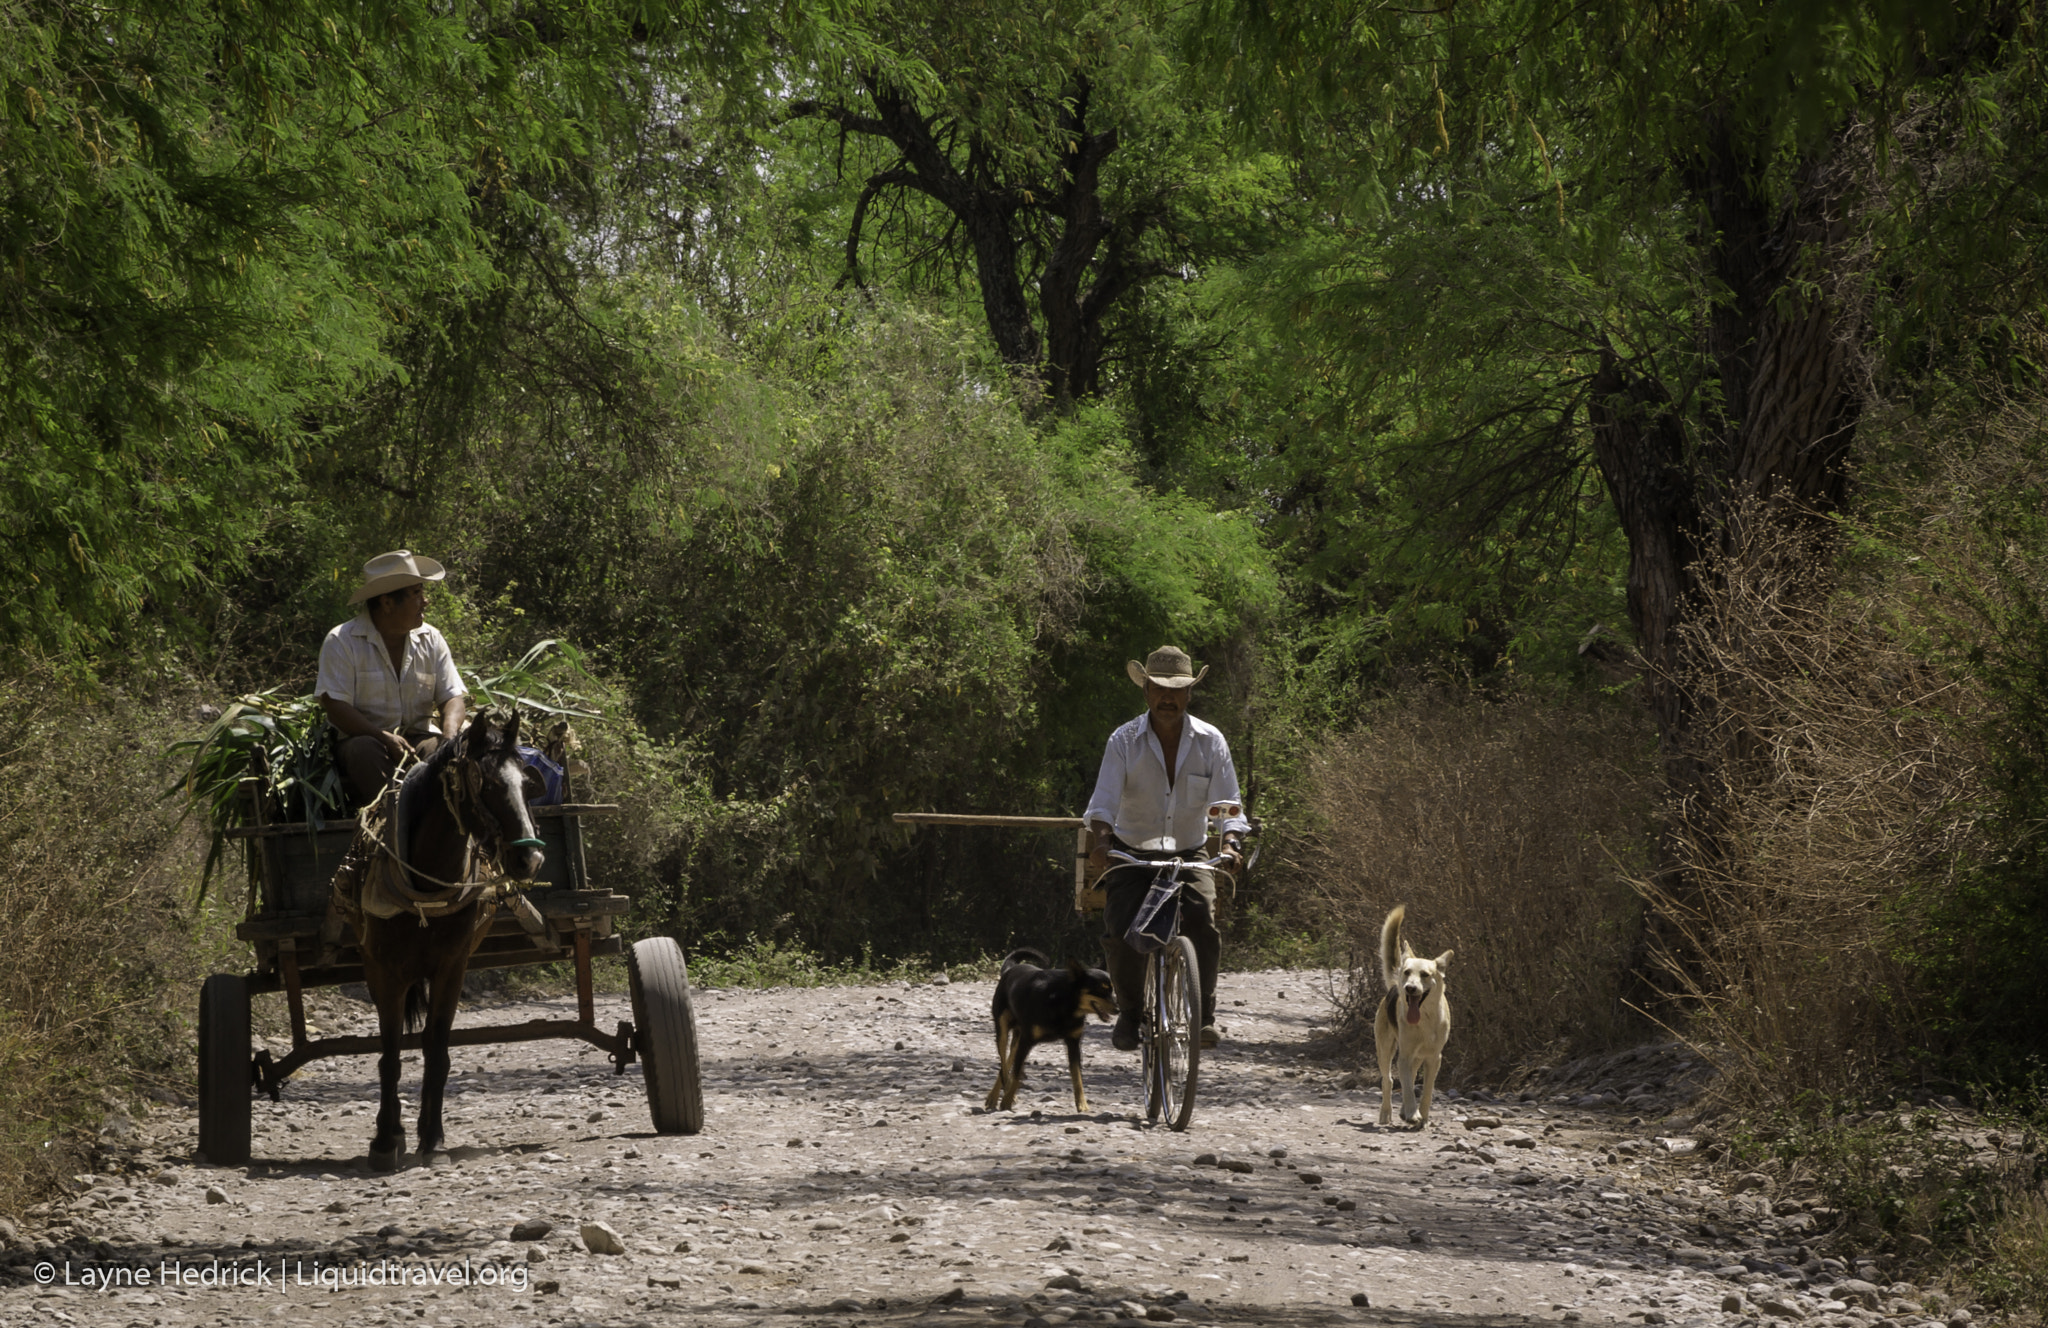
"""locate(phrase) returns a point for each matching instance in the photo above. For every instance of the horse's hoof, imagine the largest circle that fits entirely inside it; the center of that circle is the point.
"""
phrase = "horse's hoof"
(384, 1160)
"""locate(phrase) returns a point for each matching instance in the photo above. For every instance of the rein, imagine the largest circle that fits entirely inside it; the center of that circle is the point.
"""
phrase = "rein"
(461, 782)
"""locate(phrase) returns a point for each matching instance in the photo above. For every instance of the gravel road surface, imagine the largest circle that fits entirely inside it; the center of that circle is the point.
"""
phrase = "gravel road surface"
(847, 1174)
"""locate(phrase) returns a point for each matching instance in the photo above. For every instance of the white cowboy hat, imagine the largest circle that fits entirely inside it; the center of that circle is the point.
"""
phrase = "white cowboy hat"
(395, 571)
(1169, 666)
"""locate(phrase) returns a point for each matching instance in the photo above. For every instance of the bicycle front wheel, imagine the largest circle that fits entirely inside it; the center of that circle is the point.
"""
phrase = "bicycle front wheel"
(1176, 1033)
(1148, 1035)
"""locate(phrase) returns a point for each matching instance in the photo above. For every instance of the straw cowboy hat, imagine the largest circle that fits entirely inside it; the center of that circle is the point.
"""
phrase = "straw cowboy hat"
(1169, 666)
(395, 571)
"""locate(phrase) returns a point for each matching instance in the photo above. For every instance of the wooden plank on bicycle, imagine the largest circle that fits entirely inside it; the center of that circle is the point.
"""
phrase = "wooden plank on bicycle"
(999, 822)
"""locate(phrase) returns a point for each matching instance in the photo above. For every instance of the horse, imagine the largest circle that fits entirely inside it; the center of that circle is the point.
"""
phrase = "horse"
(464, 805)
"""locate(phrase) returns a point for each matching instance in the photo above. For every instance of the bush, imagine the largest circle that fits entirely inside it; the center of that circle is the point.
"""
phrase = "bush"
(105, 947)
(1833, 793)
(1504, 826)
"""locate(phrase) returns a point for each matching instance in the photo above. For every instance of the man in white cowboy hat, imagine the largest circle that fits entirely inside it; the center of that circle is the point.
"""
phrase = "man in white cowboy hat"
(385, 673)
(1161, 775)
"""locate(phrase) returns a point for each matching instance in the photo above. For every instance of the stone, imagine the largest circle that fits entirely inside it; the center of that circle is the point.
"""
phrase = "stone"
(1160, 1314)
(1731, 1304)
(1360, 1299)
(1309, 1177)
(1204, 1160)
(827, 1224)
(1855, 1291)
(216, 1195)
(1130, 1309)
(1236, 1164)
(600, 1238)
(1781, 1307)
(847, 1305)
(950, 1297)
(1679, 1145)
(1064, 1282)
(1753, 1180)
(532, 1228)
(1516, 1139)
(1059, 1245)
(338, 1206)
(1482, 1122)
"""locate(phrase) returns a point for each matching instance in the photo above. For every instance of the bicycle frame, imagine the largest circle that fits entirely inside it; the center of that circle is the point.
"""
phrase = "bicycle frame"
(1172, 1014)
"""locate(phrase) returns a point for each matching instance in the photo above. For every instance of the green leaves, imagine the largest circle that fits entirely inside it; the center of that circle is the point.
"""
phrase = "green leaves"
(215, 222)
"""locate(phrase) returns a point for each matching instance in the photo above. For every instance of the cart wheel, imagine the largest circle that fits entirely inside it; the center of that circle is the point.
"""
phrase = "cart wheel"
(665, 1034)
(224, 1078)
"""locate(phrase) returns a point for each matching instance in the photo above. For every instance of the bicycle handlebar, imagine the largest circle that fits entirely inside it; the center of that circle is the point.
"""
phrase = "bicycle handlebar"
(1122, 856)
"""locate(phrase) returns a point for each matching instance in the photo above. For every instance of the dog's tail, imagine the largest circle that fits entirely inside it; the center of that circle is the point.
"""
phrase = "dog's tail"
(1392, 946)
(1024, 955)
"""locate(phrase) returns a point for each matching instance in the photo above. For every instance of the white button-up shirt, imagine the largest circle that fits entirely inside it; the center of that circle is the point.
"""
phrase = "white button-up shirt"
(356, 668)
(1134, 798)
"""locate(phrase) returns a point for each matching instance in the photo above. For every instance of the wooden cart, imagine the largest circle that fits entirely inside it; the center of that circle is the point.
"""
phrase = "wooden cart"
(291, 867)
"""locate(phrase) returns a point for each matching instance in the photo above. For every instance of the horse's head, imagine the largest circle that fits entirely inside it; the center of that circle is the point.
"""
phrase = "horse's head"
(502, 783)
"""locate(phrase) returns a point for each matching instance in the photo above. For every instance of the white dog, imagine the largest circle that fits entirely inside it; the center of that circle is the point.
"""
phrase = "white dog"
(1413, 1022)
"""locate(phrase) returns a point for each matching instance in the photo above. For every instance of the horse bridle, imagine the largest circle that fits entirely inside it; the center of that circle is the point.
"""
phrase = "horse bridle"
(462, 783)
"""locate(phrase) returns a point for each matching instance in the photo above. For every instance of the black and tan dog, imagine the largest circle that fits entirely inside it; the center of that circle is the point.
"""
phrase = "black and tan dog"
(1037, 1003)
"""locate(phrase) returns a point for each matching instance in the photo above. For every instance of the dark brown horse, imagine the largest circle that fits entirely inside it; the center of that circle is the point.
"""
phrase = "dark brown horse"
(463, 807)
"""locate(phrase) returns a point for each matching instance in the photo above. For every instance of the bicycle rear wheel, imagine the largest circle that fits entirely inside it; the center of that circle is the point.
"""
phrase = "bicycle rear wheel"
(1176, 1033)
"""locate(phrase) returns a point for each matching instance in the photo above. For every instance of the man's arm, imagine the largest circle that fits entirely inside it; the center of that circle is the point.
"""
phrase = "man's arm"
(1102, 807)
(449, 692)
(453, 714)
(1223, 788)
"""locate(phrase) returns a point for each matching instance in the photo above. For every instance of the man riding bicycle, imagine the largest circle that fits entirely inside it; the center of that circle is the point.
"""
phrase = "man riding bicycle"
(1161, 774)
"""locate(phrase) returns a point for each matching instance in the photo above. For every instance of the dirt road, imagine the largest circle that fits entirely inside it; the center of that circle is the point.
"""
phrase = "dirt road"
(847, 1174)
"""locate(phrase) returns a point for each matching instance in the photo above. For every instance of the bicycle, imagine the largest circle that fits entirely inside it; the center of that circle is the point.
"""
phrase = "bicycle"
(1171, 1023)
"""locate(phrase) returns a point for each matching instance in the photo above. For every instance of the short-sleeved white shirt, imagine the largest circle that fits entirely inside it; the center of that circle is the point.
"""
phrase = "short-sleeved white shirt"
(1133, 797)
(356, 668)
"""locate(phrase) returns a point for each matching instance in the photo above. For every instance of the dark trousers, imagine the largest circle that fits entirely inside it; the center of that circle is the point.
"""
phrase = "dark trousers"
(367, 764)
(1125, 888)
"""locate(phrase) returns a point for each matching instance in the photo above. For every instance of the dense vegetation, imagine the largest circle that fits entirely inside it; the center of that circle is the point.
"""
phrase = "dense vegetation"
(1597, 448)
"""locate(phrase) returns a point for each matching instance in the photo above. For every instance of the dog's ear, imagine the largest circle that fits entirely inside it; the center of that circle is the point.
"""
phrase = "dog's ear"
(1077, 968)
(1444, 958)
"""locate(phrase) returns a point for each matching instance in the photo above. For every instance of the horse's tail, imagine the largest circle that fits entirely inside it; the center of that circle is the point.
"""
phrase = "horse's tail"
(416, 1006)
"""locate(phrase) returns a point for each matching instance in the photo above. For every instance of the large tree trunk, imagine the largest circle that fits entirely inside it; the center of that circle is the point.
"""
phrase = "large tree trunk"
(1784, 352)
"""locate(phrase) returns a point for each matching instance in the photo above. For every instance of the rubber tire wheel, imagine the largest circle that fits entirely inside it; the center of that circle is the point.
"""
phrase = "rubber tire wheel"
(225, 1081)
(665, 1034)
(1184, 991)
(1148, 1037)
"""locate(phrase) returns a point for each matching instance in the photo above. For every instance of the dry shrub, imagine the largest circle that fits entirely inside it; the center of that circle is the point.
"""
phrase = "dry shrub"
(1500, 824)
(1831, 777)
(102, 959)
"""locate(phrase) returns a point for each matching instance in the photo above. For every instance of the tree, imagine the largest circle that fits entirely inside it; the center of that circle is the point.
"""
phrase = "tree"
(1053, 152)
(214, 223)
(1670, 243)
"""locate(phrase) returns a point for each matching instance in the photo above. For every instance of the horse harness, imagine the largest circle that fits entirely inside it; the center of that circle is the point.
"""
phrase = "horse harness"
(376, 879)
